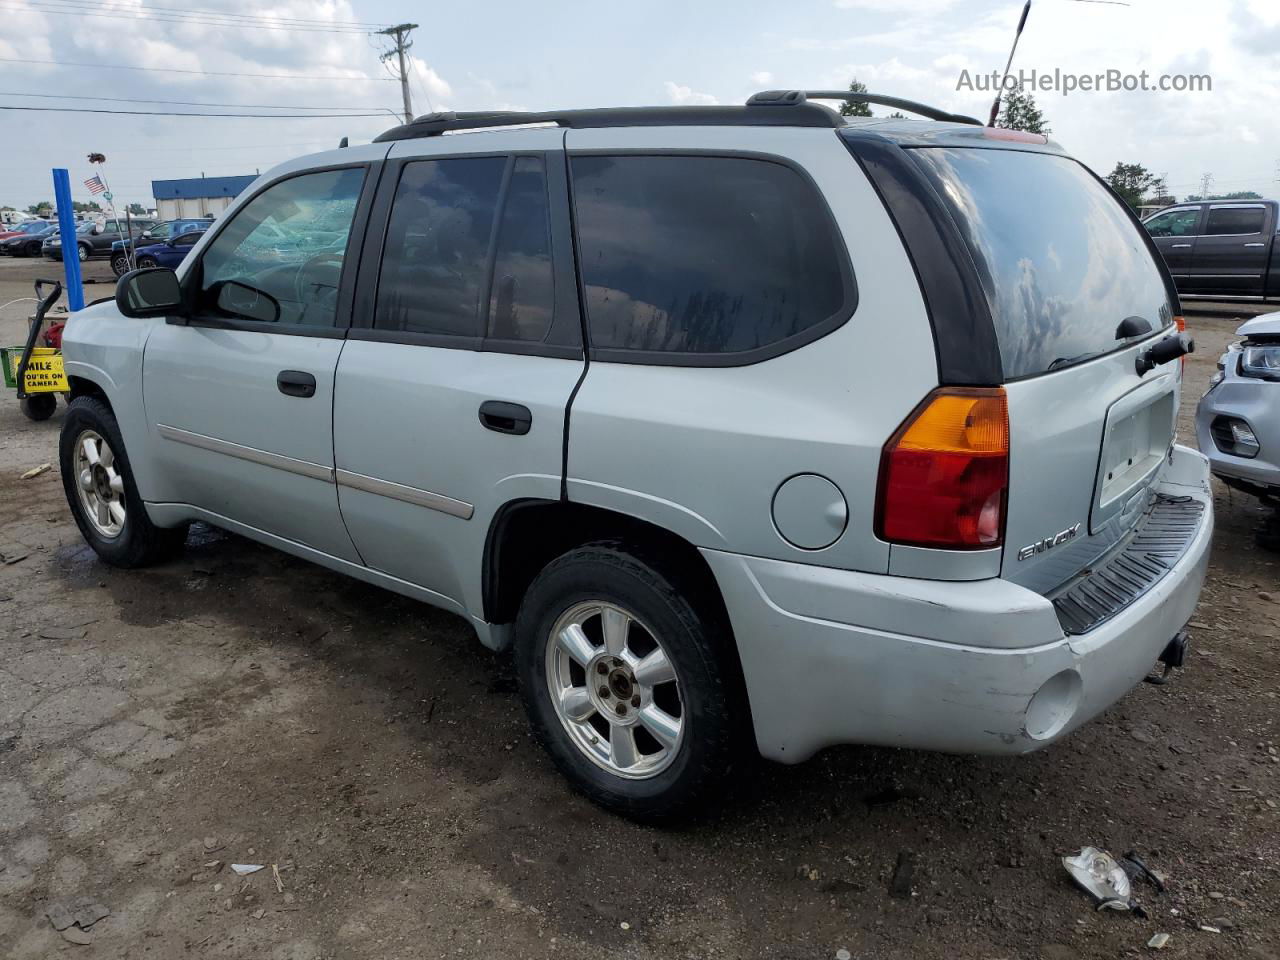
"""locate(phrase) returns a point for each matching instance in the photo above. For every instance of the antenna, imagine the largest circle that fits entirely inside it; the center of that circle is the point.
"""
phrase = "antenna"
(1022, 22)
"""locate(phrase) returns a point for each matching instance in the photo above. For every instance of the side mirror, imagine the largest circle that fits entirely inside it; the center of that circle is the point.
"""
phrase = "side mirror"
(150, 292)
(146, 233)
(250, 303)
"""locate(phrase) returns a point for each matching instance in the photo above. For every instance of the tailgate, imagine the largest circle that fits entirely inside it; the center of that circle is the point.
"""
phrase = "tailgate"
(1076, 292)
(1086, 445)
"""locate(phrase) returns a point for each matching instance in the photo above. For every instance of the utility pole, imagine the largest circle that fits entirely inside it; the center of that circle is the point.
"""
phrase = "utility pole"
(400, 34)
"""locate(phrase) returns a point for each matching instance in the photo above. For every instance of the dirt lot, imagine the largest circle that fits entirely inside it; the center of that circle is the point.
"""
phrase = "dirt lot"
(240, 706)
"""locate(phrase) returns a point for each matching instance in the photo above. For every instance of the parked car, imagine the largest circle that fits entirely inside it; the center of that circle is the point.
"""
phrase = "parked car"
(170, 253)
(1220, 249)
(165, 230)
(777, 432)
(27, 244)
(94, 238)
(1238, 420)
(21, 229)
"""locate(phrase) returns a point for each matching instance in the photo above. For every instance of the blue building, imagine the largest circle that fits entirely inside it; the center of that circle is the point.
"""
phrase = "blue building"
(196, 197)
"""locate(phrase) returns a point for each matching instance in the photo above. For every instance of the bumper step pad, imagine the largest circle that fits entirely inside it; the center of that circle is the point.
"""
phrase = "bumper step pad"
(1165, 534)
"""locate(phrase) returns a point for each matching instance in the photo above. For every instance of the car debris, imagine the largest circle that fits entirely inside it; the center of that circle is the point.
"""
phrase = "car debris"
(1158, 941)
(244, 869)
(1110, 881)
(36, 471)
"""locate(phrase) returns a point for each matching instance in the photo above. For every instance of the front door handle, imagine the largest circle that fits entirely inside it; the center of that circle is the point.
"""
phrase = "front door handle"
(1181, 246)
(1255, 246)
(296, 383)
(506, 417)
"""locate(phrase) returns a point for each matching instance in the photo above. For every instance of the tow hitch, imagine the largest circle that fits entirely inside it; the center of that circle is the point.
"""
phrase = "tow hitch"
(1174, 655)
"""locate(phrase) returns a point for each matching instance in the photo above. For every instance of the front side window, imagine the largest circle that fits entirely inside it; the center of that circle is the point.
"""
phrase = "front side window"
(702, 255)
(280, 257)
(436, 254)
(1234, 221)
(1175, 223)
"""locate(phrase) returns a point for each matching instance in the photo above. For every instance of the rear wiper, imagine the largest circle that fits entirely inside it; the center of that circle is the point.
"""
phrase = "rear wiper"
(1068, 361)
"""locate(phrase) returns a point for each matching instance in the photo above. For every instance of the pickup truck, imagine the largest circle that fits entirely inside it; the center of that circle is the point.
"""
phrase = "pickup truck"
(1220, 249)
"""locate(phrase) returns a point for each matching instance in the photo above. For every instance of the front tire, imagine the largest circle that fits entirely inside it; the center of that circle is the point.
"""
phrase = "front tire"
(628, 684)
(146, 262)
(82, 252)
(119, 266)
(101, 491)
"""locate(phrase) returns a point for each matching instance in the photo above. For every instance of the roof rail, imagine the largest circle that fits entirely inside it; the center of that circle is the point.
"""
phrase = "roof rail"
(796, 98)
(435, 124)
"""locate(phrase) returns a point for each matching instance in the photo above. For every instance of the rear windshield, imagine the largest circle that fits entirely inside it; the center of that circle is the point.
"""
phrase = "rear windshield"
(1062, 262)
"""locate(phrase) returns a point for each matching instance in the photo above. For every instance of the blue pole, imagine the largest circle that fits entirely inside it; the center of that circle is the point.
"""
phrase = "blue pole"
(67, 231)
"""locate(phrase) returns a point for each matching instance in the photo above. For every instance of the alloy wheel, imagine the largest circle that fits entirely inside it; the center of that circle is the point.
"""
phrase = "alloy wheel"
(100, 485)
(615, 690)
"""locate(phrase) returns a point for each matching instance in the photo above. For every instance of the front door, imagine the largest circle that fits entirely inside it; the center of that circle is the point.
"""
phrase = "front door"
(1174, 233)
(1232, 251)
(240, 397)
(466, 346)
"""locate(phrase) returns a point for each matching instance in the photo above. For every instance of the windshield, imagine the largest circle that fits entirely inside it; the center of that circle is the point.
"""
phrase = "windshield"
(1061, 261)
(32, 227)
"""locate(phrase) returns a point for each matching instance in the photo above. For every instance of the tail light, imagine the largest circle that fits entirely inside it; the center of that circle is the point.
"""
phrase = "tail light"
(945, 474)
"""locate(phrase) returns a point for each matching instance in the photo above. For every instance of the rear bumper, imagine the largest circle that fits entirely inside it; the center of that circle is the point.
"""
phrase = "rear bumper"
(833, 656)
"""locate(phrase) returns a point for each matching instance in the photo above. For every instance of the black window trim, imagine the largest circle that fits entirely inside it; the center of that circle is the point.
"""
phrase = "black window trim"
(191, 281)
(741, 358)
(564, 283)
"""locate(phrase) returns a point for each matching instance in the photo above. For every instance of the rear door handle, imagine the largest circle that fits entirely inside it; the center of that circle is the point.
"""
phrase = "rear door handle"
(1255, 244)
(296, 383)
(1181, 246)
(506, 417)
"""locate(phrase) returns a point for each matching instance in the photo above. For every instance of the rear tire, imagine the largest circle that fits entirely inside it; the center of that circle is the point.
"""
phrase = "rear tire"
(39, 406)
(101, 491)
(119, 266)
(649, 726)
(82, 252)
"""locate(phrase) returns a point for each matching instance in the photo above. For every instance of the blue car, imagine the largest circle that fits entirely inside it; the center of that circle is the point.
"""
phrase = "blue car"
(168, 254)
(165, 230)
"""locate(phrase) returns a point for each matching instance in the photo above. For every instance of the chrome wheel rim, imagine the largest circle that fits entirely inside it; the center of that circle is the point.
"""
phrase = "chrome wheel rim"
(615, 690)
(82, 253)
(100, 485)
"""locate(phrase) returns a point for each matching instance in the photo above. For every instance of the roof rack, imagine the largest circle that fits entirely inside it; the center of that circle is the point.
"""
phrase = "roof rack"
(434, 124)
(759, 112)
(795, 98)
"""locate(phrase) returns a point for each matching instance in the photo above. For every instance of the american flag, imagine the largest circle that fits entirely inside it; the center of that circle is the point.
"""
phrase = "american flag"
(95, 185)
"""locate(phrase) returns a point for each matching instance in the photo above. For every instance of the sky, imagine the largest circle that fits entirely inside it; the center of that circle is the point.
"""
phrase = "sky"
(514, 54)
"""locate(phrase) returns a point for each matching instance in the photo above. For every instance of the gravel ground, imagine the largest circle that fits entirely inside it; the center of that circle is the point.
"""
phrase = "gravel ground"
(239, 706)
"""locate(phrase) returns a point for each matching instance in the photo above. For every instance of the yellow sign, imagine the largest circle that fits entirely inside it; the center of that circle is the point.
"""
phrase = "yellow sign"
(44, 373)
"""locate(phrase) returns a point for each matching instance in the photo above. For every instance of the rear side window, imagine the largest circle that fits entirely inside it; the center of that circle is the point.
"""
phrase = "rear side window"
(522, 300)
(433, 268)
(1061, 261)
(1234, 221)
(705, 259)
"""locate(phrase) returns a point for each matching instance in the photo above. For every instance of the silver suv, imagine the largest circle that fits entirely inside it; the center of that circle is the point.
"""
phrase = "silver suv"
(743, 428)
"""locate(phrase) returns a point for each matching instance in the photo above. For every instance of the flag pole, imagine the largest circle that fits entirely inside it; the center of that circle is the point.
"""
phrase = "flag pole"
(100, 160)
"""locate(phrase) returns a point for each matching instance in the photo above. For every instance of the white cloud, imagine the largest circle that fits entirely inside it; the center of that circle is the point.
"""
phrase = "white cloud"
(762, 77)
(902, 7)
(687, 96)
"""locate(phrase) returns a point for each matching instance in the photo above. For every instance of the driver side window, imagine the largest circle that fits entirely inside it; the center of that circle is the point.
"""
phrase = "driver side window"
(280, 257)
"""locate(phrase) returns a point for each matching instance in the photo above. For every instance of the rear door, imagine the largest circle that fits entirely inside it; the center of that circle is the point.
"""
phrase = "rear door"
(1174, 233)
(452, 388)
(1232, 252)
(1076, 292)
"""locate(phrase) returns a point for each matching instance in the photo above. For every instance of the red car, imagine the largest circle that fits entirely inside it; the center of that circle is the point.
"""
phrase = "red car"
(27, 226)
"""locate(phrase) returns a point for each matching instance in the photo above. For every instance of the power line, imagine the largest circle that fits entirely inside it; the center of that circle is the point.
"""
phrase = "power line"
(241, 16)
(71, 8)
(200, 73)
(166, 113)
(188, 103)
